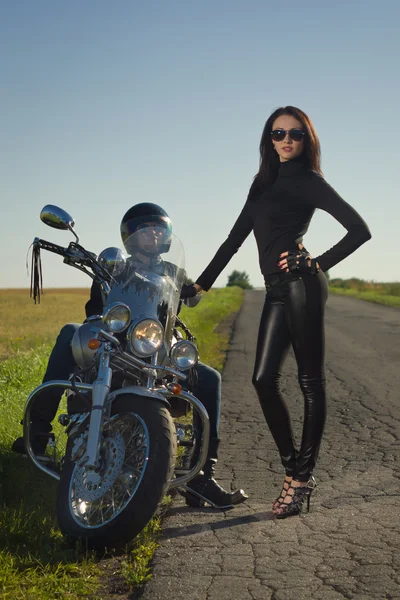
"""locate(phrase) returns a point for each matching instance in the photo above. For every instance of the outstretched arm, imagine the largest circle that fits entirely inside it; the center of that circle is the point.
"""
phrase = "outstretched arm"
(239, 232)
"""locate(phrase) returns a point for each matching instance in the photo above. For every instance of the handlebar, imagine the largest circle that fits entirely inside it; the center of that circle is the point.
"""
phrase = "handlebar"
(50, 247)
(73, 254)
(76, 256)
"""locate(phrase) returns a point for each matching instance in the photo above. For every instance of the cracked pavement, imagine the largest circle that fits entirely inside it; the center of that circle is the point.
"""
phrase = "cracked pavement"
(348, 546)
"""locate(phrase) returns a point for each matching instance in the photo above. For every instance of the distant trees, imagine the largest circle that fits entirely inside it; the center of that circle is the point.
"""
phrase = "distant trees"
(239, 278)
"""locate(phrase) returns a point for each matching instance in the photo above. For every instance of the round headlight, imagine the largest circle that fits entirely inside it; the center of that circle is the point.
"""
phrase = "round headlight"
(184, 355)
(146, 337)
(117, 317)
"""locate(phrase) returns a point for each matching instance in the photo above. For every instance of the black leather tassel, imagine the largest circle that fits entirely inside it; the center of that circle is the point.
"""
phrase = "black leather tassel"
(36, 274)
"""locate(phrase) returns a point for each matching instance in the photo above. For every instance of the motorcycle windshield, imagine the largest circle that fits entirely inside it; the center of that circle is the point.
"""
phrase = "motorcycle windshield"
(153, 277)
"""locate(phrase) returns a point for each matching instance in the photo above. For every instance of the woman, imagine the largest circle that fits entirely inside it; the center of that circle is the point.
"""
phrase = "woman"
(283, 197)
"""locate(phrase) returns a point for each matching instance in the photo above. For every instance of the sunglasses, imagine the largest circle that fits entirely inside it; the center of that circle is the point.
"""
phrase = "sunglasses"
(294, 134)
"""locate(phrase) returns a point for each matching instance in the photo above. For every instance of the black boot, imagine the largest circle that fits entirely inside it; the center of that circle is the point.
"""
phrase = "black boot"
(204, 488)
(39, 435)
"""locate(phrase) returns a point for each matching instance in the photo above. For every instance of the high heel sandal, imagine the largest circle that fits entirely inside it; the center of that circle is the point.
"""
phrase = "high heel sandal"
(280, 498)
(298, 496)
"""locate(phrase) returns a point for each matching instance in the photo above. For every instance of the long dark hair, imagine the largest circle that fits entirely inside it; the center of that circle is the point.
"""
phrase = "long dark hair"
(269, 158)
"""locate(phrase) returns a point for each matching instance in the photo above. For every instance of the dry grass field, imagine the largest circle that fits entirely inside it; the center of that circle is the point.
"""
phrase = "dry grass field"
(25, 325)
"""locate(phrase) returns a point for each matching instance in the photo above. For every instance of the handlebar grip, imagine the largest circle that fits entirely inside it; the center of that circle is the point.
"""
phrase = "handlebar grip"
(51, 247)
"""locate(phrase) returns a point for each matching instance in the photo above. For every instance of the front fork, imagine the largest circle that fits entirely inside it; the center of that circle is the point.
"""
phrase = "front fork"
(101, 389)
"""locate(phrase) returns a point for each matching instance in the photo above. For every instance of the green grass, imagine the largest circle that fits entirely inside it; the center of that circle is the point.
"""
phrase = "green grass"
(368, 294)
(135, 567)
(213, 309)
(35, 561)
(29, 578)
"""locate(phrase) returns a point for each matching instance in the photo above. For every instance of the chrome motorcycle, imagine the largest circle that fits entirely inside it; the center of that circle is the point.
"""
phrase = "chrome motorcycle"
(120, 456)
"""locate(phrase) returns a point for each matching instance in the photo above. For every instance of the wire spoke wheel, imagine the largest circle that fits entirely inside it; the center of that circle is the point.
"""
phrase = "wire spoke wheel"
(98, 497)
(109, 506)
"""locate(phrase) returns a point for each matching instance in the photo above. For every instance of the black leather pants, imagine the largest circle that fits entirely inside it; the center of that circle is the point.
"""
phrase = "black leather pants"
(293, 314)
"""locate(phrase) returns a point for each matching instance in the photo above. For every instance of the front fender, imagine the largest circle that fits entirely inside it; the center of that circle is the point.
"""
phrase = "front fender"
(137, 390)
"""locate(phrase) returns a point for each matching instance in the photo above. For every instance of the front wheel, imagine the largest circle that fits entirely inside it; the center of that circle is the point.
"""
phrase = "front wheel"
(109, 507)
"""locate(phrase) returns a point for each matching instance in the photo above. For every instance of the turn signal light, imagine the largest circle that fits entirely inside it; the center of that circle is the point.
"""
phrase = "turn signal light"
(176, 389)
(94, 344)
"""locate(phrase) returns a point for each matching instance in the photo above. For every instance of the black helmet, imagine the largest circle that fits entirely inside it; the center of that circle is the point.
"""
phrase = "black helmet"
(136, 218)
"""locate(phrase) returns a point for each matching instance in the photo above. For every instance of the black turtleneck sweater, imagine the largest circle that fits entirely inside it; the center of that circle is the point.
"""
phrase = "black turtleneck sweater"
(280, 215)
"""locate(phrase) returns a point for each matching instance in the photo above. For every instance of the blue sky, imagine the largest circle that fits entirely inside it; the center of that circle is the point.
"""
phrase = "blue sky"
(104, 105)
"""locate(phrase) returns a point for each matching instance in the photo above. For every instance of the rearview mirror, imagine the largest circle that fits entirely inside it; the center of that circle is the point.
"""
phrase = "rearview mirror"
(56, 217)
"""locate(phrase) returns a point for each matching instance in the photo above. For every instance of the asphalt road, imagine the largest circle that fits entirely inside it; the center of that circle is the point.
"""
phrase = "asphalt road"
(348, 546)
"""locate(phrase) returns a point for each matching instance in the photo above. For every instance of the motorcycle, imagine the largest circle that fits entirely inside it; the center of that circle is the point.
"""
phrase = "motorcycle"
(121, 449)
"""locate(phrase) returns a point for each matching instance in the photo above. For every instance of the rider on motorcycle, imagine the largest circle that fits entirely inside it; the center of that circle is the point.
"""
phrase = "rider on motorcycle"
(146, 231)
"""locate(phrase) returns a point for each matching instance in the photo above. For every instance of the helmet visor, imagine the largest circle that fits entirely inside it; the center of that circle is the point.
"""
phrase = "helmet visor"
(131, 225)
(149, 237)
